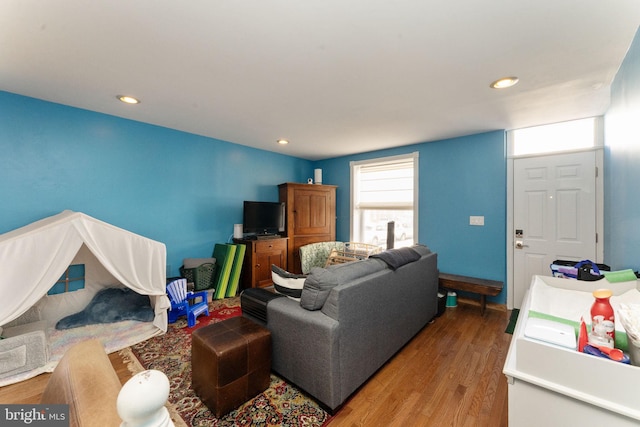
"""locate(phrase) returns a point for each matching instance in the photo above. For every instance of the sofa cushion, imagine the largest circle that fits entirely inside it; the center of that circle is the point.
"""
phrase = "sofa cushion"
(286, 283)
(321, 280)
(421, 249)
(317, 287)
(396, 258)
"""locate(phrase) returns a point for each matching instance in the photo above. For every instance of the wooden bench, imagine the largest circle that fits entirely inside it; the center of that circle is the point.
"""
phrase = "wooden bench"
(483, 287)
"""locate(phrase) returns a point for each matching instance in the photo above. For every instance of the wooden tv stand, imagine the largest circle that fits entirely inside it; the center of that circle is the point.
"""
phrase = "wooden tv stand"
(260, 254)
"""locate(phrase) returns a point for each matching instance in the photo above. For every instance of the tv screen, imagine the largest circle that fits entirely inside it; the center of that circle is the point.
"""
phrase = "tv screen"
(263, 217)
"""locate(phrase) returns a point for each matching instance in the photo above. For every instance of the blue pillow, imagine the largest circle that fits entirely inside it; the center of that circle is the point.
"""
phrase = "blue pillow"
(111, 305)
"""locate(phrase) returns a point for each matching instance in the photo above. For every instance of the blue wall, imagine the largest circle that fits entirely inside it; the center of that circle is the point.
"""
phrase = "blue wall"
(622, 166)
(458, 178)
(181, 189)
(187, 190)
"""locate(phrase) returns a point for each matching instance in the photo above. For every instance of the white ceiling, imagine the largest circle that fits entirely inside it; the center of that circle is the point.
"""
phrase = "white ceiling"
(333, 77)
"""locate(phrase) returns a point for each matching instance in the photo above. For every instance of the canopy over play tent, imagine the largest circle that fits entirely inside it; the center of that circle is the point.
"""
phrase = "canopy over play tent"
(33, 257)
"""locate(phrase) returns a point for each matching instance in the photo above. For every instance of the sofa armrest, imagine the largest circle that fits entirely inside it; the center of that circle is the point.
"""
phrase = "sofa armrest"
(305, 347)
(85, 380)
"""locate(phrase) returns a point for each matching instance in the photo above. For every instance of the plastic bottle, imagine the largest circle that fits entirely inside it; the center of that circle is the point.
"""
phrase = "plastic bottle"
(603, 331)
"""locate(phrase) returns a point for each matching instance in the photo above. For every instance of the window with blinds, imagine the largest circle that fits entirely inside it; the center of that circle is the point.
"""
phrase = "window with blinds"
(384, 198)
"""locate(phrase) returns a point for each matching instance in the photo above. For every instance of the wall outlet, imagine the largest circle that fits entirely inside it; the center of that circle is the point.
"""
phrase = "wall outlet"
(476, 220)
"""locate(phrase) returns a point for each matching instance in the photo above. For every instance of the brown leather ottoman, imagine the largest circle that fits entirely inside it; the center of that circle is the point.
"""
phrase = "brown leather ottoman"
(230, 362)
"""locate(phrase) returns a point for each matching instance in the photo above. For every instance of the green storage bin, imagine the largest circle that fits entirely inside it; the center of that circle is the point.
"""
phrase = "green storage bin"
(201, 276)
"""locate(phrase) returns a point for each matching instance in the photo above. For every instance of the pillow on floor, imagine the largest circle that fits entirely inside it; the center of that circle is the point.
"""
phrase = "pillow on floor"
(286, 283)
(111, 305)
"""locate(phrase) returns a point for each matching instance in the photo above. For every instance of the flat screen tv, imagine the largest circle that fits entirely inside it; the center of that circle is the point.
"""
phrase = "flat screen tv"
(263, 217)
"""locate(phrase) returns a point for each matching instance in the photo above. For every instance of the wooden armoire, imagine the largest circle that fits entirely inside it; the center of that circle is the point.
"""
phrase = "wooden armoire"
(310, 217)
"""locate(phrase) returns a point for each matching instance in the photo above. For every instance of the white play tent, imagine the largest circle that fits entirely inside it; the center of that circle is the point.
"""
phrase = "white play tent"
(33, 257)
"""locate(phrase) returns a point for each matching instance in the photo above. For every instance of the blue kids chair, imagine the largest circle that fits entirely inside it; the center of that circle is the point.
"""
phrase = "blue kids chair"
(180, 302)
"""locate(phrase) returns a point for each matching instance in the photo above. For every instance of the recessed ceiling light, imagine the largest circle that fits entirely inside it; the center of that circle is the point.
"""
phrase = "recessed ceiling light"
(283, 141)
(128, 99)
(504, 82)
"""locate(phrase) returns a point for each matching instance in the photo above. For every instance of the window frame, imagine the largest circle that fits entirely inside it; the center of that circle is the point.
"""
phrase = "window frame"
(354, 165)
(595, 143)
(70, 281)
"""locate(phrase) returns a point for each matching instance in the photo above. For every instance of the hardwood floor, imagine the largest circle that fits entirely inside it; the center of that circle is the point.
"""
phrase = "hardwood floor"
(450, 374)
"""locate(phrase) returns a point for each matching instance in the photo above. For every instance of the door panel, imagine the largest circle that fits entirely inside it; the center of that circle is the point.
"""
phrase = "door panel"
(554, 214)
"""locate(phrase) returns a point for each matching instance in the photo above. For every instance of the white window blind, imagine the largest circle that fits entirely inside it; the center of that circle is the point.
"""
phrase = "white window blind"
(384, 190)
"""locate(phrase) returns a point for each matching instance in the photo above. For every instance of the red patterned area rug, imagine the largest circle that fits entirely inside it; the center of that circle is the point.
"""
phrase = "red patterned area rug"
(280, 405)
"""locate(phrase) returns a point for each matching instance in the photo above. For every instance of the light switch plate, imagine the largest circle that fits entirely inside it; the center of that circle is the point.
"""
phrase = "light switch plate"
(476, 220)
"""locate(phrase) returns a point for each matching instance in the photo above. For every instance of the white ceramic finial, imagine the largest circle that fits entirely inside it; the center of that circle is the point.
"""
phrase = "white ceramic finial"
(141, 400)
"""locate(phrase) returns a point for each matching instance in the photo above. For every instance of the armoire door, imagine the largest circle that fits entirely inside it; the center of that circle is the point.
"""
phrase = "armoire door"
(312, 210)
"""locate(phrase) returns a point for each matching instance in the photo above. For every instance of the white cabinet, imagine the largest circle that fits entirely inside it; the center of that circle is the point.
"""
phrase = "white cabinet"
(554, 386)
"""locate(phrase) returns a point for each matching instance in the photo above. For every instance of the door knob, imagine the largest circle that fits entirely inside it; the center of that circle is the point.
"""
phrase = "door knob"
(520, 245)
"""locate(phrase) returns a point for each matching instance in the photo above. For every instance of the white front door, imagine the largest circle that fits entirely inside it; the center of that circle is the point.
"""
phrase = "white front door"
(554, 214)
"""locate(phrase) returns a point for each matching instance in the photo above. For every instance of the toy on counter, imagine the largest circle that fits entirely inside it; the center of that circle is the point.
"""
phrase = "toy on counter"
(614, 354)
(583, 337)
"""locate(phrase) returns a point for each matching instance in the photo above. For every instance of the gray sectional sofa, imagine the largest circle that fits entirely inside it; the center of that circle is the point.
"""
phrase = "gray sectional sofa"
(351, 319)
